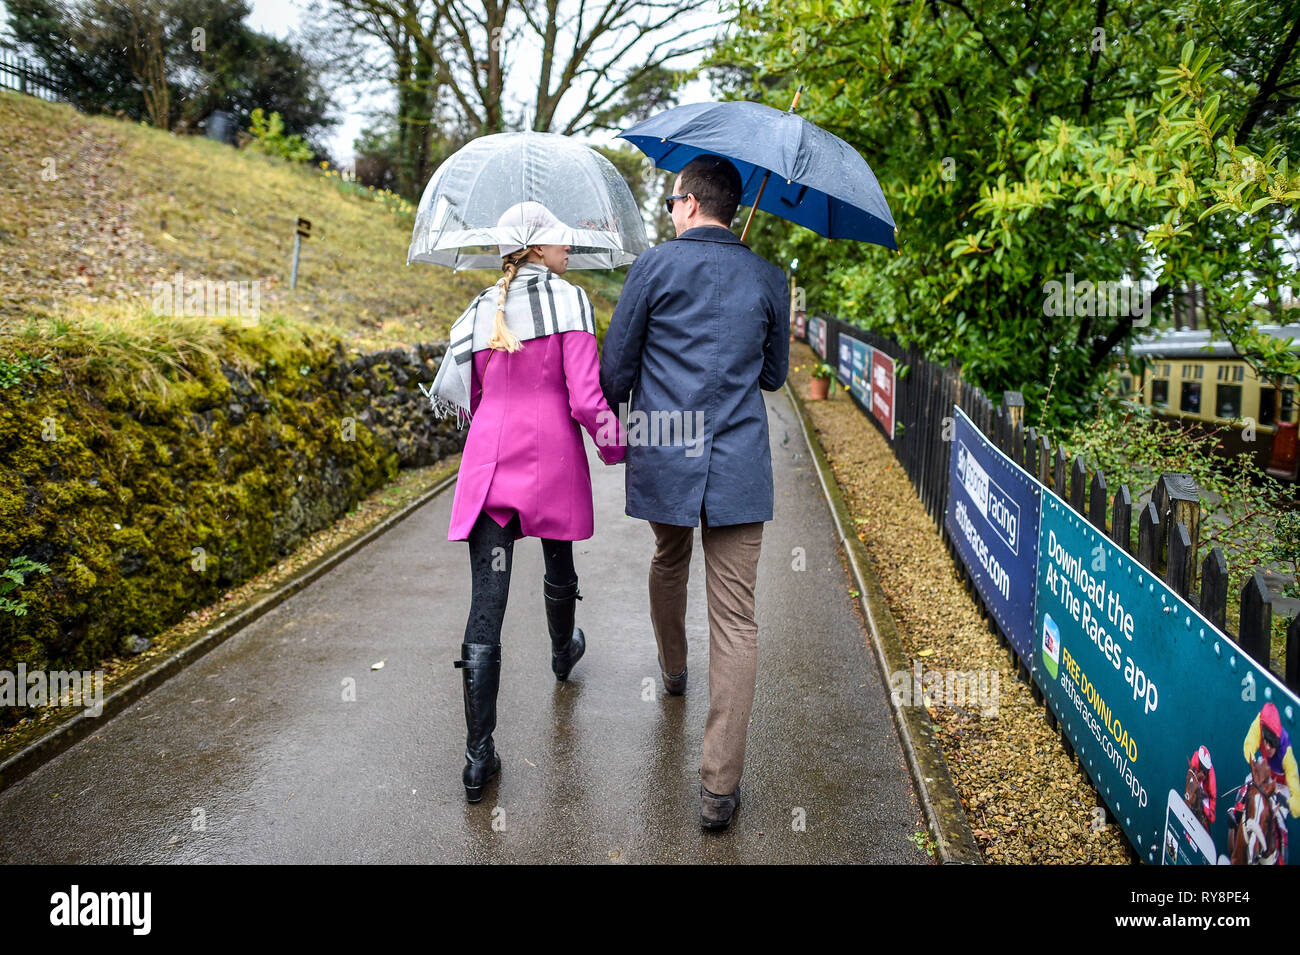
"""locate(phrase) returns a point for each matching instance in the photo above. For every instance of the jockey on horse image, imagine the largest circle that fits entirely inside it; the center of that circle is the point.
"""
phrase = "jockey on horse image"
(1201, 790)
(1274, 776)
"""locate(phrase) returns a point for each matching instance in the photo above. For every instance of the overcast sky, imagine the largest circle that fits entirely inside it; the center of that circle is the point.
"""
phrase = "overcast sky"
(282, 18)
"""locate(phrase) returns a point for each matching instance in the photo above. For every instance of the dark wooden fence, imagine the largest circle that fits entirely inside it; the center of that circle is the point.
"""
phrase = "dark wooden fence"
(17, 73)
(1169, 525)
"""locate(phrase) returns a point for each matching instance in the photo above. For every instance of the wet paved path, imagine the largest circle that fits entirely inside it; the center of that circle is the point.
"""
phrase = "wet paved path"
(253, 755)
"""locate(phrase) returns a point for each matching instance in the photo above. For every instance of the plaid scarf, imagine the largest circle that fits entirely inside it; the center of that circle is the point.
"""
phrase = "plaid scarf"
(538, 303)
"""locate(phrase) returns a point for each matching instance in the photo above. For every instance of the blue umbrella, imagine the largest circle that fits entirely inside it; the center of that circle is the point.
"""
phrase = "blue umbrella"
(817, 179)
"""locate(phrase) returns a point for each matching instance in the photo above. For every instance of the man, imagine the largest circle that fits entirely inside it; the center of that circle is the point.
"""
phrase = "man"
(702, 324)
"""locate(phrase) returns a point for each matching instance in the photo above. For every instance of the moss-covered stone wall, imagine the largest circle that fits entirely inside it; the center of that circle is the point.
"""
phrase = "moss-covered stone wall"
(146, 506)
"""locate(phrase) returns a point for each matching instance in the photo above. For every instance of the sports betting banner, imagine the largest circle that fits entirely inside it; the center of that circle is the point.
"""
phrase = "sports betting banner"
(1165, 713)
(992, 515)
(859, 383)
(882, 390)
(845, 368)
(821, 337)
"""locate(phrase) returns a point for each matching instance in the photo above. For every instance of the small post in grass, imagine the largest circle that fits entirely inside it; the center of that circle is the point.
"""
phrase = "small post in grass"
(303, 231)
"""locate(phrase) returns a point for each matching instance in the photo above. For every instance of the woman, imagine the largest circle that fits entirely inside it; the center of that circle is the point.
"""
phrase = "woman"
(523, 367)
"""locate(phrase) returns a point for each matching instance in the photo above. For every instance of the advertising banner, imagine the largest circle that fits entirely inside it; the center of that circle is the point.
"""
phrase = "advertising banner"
(992, 515)
(882, 390)
(821, 338)
(859, 383)
(845, 367)
(1166, 714)
(800, 318)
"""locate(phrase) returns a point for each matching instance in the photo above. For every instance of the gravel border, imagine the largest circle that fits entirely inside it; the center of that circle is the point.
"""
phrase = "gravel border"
(1025, 799)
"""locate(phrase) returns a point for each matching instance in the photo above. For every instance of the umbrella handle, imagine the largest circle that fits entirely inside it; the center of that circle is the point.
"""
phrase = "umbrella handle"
(763, 185)
(754, 207)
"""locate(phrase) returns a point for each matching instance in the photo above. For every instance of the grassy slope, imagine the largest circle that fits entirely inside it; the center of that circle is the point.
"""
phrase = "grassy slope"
(132, 205)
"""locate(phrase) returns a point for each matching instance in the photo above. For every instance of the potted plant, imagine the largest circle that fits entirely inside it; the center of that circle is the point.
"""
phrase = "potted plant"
(823, 377)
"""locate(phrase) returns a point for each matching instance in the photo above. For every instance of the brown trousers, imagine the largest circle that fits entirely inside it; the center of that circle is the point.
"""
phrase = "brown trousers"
(731, 569)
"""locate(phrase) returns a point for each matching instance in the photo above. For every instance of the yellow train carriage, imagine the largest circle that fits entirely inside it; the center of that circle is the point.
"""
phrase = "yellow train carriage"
(1188, 376)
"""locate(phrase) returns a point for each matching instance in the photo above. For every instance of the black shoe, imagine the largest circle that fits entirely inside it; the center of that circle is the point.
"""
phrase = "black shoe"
(716, 811)
(673, 685)
(568, 643)
(481, 664)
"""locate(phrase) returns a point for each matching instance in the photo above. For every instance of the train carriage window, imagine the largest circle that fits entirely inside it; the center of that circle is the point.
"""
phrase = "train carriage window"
(1191, 400)
(1125, 385)
(1268, 411)
(1227, 401)
(1160, 393)
(1268, 406)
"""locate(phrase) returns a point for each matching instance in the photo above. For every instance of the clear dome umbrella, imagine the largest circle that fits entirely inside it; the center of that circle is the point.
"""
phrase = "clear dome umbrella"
(465, 218)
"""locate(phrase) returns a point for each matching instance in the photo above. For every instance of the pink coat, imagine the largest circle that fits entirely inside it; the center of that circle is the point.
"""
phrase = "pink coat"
(524, 451)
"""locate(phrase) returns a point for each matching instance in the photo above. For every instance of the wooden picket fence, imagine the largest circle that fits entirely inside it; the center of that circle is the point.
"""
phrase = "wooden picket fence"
(1169, 525)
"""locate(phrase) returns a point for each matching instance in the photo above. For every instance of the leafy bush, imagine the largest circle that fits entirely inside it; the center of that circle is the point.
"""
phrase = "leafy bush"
(1244, 512)
(1026, 144)
(269, 137)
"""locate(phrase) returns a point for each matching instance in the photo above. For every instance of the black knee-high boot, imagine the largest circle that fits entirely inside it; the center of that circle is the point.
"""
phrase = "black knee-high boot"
(568, 643)
(481, 664)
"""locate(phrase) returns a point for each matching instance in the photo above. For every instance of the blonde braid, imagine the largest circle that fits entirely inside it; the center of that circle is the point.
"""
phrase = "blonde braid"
(503, 339)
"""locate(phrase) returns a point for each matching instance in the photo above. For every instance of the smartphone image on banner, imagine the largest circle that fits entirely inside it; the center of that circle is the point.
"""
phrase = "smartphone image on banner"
(1186, 841)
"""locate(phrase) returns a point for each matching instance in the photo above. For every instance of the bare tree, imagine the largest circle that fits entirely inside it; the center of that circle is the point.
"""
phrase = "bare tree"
(340, 30)
(148, 61)
(597, 48)
(591, 49)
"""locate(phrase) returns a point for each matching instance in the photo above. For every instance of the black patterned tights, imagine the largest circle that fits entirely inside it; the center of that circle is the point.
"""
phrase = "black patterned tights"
(491, 550)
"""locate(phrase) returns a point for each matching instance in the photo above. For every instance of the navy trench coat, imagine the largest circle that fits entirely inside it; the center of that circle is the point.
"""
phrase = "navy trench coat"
(702, 324)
